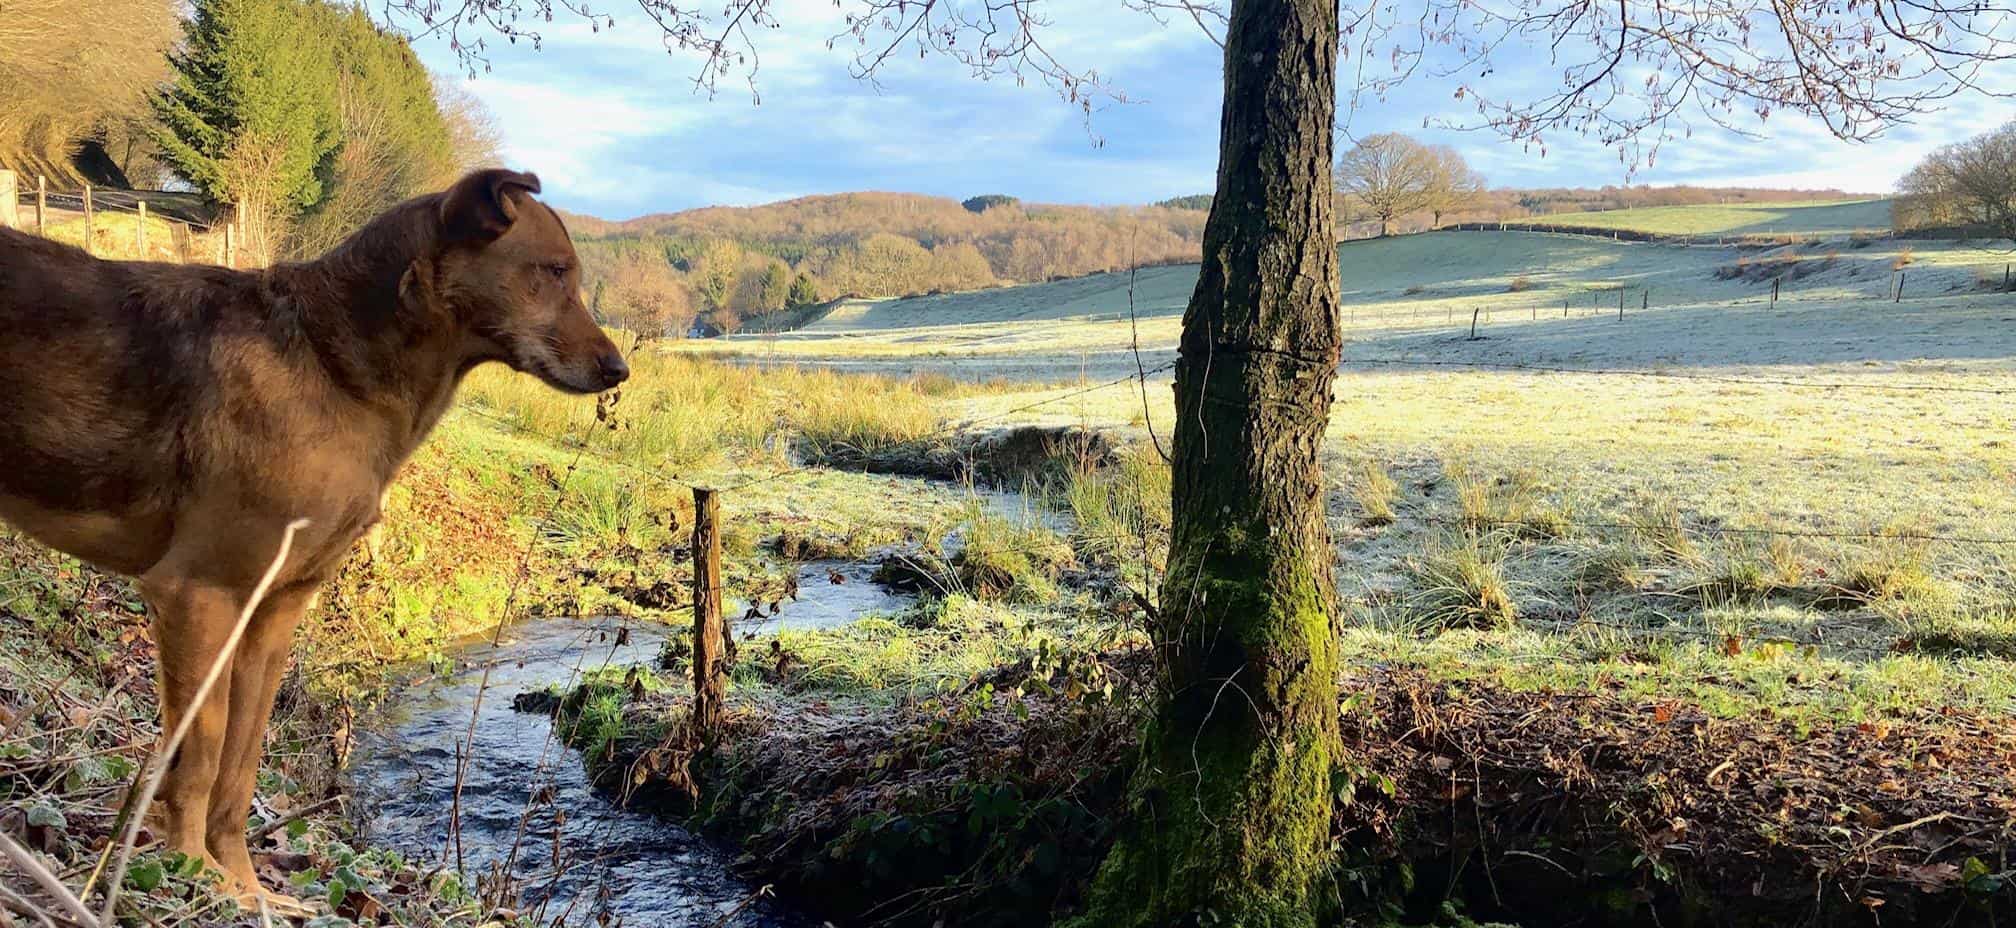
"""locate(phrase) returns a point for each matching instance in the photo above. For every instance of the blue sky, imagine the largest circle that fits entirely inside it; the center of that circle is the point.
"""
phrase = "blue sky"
(612, 125)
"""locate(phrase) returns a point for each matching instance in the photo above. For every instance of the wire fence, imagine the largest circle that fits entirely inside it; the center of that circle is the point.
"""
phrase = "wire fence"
(143, 225)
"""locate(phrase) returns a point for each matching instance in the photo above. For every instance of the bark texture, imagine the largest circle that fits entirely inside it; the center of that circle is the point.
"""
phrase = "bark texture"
(1232, 803)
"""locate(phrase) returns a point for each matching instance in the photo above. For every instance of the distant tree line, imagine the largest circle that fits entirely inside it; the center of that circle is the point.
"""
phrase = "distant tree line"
(1966, 188)
(733, 265)
(1391, 183)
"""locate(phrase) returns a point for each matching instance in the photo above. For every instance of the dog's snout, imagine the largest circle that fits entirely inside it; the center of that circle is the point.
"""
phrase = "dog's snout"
(615, 370)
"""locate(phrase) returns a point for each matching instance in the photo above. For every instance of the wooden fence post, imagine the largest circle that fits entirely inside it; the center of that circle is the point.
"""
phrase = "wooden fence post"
(140, 232)
(87, 219)
(1473, 322)
(1774, 291)
(710, 672)
(1620, 304)
(41, 205)
(1645, 299)
(10, 199)
(1900, 288)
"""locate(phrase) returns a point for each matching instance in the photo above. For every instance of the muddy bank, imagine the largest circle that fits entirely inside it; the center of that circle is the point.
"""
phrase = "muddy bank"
(1534, 808)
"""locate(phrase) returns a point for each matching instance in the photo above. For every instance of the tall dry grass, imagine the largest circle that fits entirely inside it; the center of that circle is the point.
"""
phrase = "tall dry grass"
(680, 413)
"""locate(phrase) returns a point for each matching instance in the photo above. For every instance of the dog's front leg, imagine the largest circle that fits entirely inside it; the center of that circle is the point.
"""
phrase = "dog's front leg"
(255, 677)
(192, 621)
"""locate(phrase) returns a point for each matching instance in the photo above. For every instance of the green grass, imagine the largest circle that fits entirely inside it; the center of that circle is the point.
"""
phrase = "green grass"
(681, 413)
(1835, 218)
(940, 645)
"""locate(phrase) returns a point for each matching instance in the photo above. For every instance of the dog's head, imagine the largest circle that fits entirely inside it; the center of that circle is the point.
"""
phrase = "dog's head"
(508, 268)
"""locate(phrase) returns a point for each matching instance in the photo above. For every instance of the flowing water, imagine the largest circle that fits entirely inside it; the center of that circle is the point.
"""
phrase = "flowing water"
(577, 854)
(639, 868)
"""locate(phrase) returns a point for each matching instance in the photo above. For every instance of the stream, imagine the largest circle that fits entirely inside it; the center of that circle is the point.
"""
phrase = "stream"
(634, 866)
(578, 855)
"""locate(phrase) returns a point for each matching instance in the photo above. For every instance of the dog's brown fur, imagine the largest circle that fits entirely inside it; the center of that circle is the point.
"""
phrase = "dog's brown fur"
(168, 422)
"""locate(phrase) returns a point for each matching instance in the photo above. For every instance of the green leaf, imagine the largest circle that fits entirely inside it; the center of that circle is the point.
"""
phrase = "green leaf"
(184, 865)
(146, 876)
(46, 816)
(336, 893)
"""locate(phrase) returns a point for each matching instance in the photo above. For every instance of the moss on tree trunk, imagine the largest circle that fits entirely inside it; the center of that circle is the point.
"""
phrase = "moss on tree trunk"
(1230, 808)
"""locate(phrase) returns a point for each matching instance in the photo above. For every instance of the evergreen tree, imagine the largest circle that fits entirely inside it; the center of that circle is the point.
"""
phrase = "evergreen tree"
(775, 287)
(803, 292)
(251, 113)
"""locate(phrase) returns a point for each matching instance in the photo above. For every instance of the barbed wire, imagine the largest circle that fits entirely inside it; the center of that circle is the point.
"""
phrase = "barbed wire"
(1899, 535)
(1674, 375)
(1726, 638)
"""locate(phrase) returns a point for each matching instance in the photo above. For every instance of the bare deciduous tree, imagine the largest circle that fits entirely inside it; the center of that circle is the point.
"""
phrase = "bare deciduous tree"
(1454, 185)
(1390, 175)
(1968, 185)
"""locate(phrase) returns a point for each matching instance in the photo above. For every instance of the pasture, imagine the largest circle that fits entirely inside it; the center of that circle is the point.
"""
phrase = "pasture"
(1750, 490)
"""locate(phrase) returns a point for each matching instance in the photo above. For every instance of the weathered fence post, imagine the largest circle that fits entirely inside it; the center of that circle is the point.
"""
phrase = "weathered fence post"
(1645, 299)
(1620, 304)
(41, 205)
(1473, 322)
(1900, 288)
(1774, 291)
(140, 232)
(87, 219)
(710, 672)
(10, 200)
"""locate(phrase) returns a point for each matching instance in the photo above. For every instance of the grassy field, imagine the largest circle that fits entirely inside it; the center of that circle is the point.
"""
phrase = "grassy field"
(1842, 218)
(1409, 290)
(1767, 508)
(1654, 490)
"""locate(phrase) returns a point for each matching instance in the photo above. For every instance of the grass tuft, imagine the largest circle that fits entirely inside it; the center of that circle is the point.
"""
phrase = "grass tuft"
(1893, 570)
(1375, 491)
(1515, 505)
(1461, 584)
(1658, 524)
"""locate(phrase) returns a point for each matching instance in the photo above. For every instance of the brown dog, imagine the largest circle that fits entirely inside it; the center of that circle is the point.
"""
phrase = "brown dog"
(168, 422)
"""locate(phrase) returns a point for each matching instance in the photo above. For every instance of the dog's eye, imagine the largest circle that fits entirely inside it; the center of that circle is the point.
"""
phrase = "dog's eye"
(559, 271)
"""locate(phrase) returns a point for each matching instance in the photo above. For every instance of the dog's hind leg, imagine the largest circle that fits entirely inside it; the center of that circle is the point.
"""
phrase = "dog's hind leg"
(192, 621)
(255, 677)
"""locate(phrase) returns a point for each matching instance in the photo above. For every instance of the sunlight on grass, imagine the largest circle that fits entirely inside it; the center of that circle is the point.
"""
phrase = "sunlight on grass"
(681, 412)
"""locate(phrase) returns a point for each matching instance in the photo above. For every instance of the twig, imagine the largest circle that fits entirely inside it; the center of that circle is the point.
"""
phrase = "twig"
(26, 863)
(159, 762)
(259, 834)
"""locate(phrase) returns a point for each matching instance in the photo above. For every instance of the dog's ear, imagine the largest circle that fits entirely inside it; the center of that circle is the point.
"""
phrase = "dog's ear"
(479, 207)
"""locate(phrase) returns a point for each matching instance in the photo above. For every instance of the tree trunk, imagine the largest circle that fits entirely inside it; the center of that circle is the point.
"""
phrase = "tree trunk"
(1231, 804)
